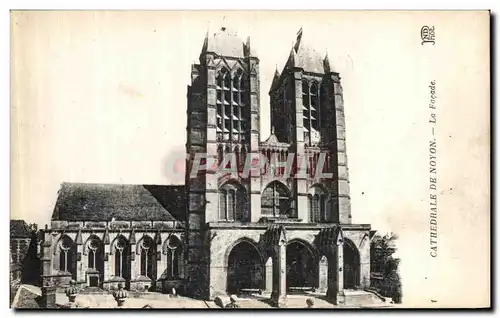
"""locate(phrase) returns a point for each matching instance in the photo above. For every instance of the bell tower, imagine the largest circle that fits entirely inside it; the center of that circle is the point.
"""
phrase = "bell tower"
(307, 111)
(223, 119)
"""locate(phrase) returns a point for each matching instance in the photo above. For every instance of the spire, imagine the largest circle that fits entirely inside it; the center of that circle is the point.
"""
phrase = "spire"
(131, 238)
(78, 239)
(158, 237)
(299, 38)
(276, 79)
(246, 48)
(105, 238)
(272, 130)
(340, 237)
(205, 45)
(326, 63)
(292, 58)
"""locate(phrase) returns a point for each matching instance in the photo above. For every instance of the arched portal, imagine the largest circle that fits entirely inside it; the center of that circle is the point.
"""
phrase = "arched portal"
(301, 270)
(351, 265)
(245, 268)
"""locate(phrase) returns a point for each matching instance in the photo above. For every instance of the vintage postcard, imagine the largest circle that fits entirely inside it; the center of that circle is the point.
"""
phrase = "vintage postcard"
(250, 159)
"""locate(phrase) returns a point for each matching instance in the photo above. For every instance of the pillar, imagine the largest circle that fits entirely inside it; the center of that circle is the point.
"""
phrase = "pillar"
(335, 292)
(48, 296)
(133, 260)
(278, 295)
(323, 275)
(340, 267)
(107, 265)
(160, 261)
(365, 263)
(80, 273)
(269, 275)
(46, 254)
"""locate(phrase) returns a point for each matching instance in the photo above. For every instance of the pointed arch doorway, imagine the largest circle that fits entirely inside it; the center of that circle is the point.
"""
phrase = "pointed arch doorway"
(351, 266)
(245, 269)
(301, 268)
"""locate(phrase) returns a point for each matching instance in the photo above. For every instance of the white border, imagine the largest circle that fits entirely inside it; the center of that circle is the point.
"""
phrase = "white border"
(185, 5)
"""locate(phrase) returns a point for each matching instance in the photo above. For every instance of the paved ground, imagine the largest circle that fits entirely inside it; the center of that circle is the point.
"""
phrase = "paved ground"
(157, 300)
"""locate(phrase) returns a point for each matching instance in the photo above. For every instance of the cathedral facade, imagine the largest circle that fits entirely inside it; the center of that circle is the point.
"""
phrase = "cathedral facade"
(270, 230)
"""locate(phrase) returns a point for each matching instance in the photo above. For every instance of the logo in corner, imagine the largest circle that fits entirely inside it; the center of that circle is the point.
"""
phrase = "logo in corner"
(428, 35)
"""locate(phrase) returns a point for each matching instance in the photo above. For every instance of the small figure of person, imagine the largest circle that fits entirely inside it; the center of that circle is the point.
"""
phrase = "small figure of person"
(232, 303)
(310, 303)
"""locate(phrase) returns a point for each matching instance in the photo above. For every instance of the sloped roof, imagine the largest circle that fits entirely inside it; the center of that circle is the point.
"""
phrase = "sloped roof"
(276, 80)
(126, 202)
(271, 140)
(308, 58)
(20, 229)
(226, 42)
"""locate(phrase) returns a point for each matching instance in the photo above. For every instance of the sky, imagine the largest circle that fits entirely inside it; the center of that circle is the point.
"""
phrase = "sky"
(100, 97)
(103, 94)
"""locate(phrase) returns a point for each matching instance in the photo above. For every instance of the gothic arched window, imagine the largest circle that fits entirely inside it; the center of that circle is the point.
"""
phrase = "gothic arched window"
(94, 249)
(232, 105)
(276, 200)
(311, 110)
(318, 209)
(314, 116)
(122, 255)
(66, 254)
(222, 100)
(174, 258)
(147, 252)
(232, 203)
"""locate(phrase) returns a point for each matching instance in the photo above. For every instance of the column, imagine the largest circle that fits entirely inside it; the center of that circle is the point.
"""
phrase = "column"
(48, 298)
(269, 275)
(80, 274)
(278, 296)
(323, 275)
(46, 256)
(84, 267)
(160, 261)
(335, 293)
(340, 267)
(133, 260)
(107, 267)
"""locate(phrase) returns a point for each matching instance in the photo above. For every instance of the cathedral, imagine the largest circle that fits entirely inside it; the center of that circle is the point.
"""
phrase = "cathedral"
(267, 232)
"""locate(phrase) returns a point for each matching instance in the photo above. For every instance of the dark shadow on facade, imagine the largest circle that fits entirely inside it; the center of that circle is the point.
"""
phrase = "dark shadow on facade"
(351, 265)
(245, 269)
(30, 271)
(301, 270)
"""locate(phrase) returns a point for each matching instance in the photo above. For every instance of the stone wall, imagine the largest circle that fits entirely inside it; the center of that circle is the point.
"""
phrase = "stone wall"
(80, 237)
(224, 240)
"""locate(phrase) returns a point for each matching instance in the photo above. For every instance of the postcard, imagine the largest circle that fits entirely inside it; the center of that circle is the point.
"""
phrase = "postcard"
(250, 159)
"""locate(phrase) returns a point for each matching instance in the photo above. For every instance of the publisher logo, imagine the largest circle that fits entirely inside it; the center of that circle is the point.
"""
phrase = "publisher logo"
(428, 35)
